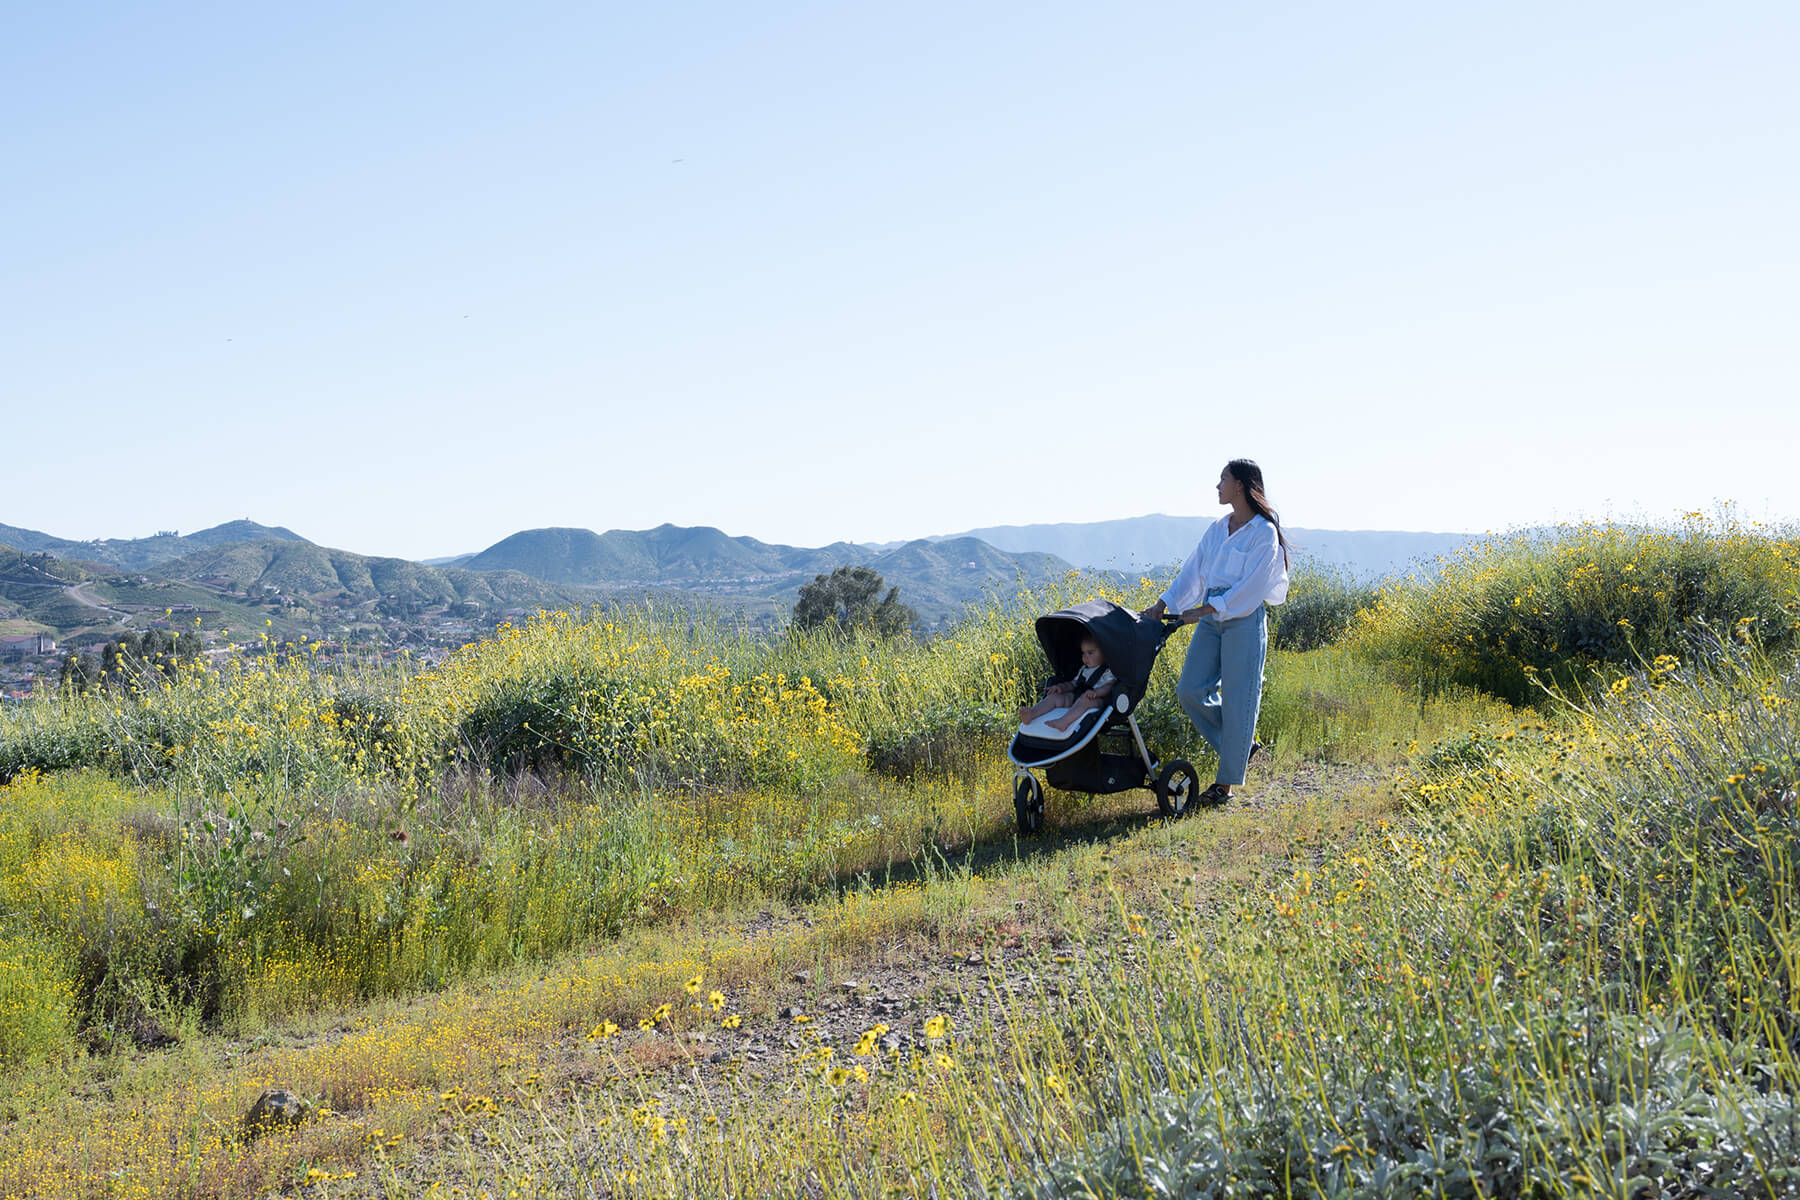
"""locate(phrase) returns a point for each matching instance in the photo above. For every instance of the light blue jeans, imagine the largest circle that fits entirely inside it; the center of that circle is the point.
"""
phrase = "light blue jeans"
(1221, 687)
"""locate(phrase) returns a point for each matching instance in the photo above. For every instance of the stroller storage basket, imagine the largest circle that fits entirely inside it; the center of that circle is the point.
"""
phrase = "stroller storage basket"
(1096, 772)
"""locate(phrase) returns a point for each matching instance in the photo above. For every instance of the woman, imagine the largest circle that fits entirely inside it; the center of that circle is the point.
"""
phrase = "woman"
(1239, 567)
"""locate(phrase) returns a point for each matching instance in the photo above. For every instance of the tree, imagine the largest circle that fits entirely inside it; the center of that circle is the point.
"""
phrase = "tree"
(850, 599)
(135, 658)
(78, 672)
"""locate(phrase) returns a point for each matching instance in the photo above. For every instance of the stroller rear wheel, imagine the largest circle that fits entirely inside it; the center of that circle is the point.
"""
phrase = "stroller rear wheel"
(1176, 787)
(1028, 802)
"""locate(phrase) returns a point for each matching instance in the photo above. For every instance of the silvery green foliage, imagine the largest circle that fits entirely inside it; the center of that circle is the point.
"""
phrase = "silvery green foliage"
(1652, 1125)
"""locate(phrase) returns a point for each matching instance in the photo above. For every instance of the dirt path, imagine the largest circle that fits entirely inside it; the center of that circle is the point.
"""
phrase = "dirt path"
(1011, 943)
(902, 980)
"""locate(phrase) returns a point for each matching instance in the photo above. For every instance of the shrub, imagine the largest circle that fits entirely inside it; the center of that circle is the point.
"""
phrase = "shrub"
(284, 720)
(1573, 606)
(71, 892)
(1468, 1132)
(127, 914)
(633, 701)
(943, 738)
(850, 599)
(1321, 603)
(47, 736)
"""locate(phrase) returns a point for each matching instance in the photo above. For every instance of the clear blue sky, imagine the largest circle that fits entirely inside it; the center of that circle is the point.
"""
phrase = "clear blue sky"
(408, 278)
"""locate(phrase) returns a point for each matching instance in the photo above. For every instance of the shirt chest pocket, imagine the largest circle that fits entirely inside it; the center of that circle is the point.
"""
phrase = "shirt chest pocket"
(1236, 566)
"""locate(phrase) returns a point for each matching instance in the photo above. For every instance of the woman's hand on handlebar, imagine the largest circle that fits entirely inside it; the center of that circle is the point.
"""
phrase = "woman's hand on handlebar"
(1155, 612)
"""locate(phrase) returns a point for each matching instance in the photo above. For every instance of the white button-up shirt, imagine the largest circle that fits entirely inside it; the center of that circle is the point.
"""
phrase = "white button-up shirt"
(1234, 572)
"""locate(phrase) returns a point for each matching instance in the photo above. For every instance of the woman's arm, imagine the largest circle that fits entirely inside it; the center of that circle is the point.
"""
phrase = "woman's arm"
(1190, 582)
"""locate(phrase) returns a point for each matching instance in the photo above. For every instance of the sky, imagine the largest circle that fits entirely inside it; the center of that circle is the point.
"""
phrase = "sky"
(408, 278)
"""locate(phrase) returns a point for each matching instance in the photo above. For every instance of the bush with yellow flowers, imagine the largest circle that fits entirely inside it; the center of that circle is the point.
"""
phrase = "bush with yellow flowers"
(37, 1001)
(1570, 606)
(624, 699)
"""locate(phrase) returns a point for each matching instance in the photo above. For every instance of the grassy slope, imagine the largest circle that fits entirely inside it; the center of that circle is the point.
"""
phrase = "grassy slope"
(34, 591)
(1484, 953)
(514, 1051)
(37, 591)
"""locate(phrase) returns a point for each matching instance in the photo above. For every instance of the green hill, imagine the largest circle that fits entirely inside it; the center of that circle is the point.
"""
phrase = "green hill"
(304, 570)
(82, 602)
(667, 556)
(291, 587)
(940, 578)
(34, 593)
(295, 586)
(135, 554)
(30, 541)
(252, 573)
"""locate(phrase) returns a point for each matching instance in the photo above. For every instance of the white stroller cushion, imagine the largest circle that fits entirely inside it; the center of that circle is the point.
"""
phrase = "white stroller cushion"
(1042, 728)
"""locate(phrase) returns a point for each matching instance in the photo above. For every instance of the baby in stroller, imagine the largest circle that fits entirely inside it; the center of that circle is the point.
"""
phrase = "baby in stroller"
(1088, 690)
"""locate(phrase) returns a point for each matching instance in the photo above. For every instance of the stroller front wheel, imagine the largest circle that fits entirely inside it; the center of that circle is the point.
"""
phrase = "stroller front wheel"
(1028, 802)
(1177, 784)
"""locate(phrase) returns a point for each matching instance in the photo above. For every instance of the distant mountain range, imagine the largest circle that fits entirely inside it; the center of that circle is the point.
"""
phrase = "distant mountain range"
(246, 564)
(938, 578)
(287, 588)
(1157, 542)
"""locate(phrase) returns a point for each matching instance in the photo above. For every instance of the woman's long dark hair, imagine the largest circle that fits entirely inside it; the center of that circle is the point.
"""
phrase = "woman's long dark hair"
(1247, 473)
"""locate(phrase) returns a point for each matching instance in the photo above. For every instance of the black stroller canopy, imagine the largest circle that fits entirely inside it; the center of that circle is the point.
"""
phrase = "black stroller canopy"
(1128, 642)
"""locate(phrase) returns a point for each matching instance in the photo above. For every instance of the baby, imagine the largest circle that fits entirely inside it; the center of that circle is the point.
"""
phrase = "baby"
(1084, 693)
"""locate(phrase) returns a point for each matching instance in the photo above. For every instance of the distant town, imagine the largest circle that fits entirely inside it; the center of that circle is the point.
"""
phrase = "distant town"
(330, 626)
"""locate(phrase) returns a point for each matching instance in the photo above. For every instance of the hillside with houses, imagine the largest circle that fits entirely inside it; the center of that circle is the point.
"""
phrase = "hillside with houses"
(245, 588)
(242, 586)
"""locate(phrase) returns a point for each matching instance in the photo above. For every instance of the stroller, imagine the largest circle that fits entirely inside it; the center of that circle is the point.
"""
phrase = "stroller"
(1097, 755)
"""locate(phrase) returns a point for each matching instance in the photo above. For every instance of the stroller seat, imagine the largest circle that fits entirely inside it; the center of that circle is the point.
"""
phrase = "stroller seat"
(1043, 730)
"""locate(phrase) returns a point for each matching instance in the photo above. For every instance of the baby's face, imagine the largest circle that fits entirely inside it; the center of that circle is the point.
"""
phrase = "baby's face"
(1090, 655)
